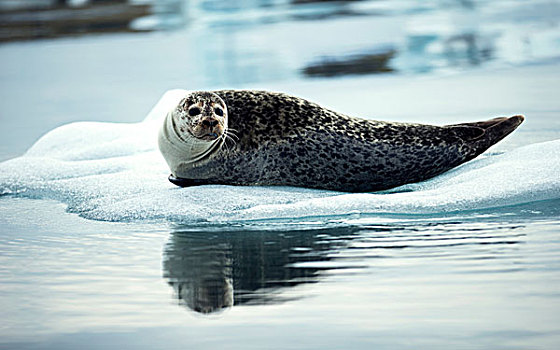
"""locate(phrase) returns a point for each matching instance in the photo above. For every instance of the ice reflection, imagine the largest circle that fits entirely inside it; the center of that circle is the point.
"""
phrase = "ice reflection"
(213, 271)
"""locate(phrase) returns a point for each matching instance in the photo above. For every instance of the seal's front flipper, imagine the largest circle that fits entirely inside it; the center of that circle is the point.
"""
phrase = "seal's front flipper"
(182, 182)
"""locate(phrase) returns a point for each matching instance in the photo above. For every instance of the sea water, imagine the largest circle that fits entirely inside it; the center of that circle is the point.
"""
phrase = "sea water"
(99, 250)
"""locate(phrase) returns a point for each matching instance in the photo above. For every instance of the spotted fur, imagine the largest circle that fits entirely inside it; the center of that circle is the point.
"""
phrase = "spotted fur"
(286, 140)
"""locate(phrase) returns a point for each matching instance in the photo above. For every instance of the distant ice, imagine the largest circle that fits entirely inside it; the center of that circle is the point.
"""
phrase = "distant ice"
(114, 172)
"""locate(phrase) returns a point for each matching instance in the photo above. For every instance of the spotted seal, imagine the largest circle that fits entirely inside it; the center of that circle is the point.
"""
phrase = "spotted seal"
(241, 137)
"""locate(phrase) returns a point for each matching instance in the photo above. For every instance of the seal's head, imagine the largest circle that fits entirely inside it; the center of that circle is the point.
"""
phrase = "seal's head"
(202, 115)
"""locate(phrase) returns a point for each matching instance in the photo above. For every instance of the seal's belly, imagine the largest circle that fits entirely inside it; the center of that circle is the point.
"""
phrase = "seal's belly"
(344, 164)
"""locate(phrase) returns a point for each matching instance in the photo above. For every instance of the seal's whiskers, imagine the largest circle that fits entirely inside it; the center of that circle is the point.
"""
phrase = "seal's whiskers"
(225, 137)
(232, 136)
(229, 138)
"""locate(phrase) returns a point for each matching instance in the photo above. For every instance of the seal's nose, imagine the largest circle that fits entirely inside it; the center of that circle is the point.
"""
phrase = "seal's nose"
(210, 122)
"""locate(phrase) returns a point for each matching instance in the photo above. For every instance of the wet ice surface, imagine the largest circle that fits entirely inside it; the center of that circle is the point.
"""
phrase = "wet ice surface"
(114, 172)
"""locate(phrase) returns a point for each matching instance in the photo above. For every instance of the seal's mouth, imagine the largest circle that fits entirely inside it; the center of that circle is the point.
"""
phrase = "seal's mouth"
(207, 130)
(210, 136)
(207, 135)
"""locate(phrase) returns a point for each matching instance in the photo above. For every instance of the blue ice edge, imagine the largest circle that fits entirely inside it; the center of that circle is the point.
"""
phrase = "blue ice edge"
(114, 172)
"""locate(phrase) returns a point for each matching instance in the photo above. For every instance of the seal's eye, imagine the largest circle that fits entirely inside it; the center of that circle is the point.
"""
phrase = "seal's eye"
(219, 111)
(194, 111)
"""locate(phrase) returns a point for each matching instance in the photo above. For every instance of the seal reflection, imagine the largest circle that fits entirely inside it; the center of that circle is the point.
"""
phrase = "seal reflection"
(212, 271)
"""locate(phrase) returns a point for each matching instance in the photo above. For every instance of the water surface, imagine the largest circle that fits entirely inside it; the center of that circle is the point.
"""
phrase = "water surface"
(98, 250)
(487, 278)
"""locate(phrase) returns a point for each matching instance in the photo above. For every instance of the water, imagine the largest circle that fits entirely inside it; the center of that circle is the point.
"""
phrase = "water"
(98, 250)
(488, 279)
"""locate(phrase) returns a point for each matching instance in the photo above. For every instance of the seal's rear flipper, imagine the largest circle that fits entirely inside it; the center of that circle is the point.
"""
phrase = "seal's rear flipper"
(502, 127)
(484, 134)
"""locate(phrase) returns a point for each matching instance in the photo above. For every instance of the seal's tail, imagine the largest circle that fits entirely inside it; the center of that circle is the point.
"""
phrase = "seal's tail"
(482, 135)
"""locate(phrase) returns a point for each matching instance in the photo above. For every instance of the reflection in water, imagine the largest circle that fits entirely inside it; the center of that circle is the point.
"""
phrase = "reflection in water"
(212, 271)
(200, 272)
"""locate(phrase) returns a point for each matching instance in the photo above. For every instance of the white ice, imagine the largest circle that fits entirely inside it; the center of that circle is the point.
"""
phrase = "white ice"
(114, 172)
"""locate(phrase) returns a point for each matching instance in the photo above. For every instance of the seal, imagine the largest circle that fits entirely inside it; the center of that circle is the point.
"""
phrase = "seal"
(242, 137)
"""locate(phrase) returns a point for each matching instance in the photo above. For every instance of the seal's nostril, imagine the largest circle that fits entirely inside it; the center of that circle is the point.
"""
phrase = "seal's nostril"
(209, 123)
